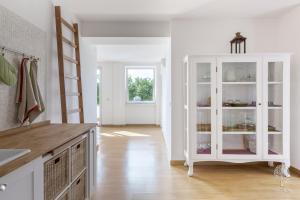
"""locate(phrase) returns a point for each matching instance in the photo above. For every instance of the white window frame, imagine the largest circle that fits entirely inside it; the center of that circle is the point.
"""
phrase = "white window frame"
(140, 67)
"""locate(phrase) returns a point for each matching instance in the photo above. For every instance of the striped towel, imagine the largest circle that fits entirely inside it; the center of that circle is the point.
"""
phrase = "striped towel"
(29, 100)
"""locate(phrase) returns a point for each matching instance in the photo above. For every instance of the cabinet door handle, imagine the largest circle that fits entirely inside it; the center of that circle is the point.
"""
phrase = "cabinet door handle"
(56, 160)
(3, 187)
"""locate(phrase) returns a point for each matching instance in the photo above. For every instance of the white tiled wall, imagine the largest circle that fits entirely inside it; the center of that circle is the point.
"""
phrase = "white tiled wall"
(16, 33)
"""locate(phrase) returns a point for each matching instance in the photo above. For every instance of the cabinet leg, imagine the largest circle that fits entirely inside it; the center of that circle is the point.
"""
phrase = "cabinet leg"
(285, 169)
(191, 169)
(185, 164)
(271, 164)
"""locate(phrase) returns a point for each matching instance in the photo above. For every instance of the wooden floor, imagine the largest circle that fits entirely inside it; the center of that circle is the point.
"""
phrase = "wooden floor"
(133, 164)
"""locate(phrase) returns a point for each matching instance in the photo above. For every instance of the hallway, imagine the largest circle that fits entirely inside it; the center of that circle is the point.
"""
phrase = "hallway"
(133, 165)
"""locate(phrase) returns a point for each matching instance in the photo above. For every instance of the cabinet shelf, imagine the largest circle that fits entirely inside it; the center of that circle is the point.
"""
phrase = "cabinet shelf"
(238, 152)
(239, 133)
(204, 132)
(203, 108)
(275, 107)
(239, 108)
(238, 83)
(274, 132)
(274, 82)
(203, 83)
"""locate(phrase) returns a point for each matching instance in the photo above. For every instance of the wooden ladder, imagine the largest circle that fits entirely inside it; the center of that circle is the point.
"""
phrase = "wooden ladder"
(61, 60)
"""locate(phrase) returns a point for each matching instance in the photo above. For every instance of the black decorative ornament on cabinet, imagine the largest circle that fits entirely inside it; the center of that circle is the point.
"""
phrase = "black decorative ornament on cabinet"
(236, 42)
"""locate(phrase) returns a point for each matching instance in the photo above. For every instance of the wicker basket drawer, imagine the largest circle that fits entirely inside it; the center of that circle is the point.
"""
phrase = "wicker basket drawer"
(56, 175)
(65, 196)
(78, 158)
(78, 188)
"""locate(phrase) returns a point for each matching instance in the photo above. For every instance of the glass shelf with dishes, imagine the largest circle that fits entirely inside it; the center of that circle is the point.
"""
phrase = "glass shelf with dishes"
(204, 129)
(239, 85)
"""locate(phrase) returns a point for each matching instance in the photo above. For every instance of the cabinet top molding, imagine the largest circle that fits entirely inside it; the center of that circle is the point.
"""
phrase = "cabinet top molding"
(237, 55)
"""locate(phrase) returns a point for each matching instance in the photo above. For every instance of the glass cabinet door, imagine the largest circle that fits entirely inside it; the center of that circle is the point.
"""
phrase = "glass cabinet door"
(273, 113)
(205, 107)
(238, 107)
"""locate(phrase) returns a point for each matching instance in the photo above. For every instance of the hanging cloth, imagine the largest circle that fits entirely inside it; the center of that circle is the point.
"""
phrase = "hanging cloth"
(25, 95)
(36, 90)
(8, 73)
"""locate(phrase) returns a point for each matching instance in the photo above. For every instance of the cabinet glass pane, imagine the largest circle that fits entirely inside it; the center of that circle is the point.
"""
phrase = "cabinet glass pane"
(239, 144)
(239, 95)
(239, 72)
(239, 120)
(203, 72)
(275, 99)
(204, 121)
(275, 144)
(203, 143)
(203, 96)
(275, 71)
(203, 108)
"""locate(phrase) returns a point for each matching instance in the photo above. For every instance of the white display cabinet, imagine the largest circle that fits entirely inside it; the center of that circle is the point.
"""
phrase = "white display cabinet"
(236, 108)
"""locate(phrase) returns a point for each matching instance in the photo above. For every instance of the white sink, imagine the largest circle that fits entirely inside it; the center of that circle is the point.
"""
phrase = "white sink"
(7, 155)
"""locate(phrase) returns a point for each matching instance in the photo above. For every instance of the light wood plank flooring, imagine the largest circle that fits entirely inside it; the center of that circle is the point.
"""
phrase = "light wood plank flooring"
(133, 165)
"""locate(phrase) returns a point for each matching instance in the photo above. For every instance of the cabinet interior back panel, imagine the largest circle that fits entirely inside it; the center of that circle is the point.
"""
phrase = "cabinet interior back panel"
(18, 34)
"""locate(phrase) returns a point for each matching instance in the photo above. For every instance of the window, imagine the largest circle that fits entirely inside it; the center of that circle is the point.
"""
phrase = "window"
(140, 82)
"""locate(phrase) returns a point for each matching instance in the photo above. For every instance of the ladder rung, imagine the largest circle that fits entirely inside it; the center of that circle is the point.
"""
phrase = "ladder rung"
(74, 111)
(70, 59)
(71, 77)
(73, 94)
(69, 42)
(68, 25)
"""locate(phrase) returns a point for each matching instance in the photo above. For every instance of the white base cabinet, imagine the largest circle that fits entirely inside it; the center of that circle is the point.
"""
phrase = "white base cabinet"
(27, 182)
(236, 108)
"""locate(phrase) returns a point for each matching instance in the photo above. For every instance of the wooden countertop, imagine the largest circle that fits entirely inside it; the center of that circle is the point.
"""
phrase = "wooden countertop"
(40, 140)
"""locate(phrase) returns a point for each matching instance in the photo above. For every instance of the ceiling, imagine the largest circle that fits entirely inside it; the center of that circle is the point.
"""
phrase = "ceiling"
(136, 10)
(131, 53)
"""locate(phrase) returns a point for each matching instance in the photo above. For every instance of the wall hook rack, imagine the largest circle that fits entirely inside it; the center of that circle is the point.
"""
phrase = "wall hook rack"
(16, 52)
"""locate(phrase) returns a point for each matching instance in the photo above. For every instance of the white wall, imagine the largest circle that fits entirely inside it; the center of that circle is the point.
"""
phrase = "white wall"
(115, 109)
(89, 80)
(126, 29)
(36, 12)
(166, 99)
(289, 41)
(209, 36)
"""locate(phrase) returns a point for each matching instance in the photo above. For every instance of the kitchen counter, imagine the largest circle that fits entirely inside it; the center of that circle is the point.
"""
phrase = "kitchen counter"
(40, 139)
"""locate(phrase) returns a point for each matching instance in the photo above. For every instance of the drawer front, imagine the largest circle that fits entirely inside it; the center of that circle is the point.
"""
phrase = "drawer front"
(78, 188)
(56, 175)
(78, 158)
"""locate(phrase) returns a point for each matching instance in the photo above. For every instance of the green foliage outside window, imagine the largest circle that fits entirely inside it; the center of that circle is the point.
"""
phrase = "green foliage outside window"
(98, 93)
(140, 89)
